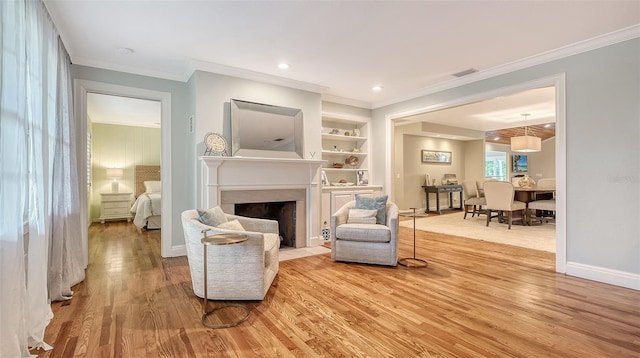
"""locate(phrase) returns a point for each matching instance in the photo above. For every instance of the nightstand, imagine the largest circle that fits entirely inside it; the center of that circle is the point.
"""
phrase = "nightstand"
(115, 206)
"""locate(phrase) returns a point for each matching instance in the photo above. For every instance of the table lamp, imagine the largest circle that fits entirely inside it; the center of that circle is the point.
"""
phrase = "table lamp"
(115, 173)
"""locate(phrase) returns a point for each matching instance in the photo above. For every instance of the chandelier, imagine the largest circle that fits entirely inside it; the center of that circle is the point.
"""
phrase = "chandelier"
(526, 143)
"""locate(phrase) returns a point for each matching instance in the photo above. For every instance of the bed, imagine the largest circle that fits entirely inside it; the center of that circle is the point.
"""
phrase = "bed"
(147, 208)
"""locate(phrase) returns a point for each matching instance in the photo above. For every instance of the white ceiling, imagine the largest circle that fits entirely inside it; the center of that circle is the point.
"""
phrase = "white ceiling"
(497, 113)
(123, 110)
(340, 49)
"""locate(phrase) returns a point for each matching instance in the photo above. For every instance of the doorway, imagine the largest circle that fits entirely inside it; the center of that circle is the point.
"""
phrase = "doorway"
(124, 134)
(558, 82)
(82, 88)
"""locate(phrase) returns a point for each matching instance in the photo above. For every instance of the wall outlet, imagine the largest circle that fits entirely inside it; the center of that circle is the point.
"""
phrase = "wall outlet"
(539, 175)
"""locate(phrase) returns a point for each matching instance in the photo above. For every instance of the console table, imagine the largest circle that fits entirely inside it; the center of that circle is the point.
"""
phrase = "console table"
(438, 189)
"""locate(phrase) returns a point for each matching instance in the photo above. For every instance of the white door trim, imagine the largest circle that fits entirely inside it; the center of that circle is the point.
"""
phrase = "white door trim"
(81, 88)
(559, 81)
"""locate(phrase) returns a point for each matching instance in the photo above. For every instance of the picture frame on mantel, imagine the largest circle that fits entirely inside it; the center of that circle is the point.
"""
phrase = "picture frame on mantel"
(436, 156)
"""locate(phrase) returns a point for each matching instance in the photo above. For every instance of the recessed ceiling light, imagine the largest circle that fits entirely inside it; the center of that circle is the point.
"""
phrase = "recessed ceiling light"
(496, 138)
(284, 66)
(376, 88)
(548, 125)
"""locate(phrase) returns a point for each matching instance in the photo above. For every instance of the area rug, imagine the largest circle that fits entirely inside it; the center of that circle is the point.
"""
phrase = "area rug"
(537, 237)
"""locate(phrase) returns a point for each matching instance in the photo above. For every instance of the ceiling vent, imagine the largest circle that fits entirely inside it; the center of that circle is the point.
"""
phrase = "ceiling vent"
(465, 72)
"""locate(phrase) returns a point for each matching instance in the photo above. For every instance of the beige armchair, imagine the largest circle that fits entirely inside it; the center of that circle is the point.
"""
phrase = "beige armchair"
(499, 195)
(545, 206)
(241, 271)
(365, 243)
(472, 199)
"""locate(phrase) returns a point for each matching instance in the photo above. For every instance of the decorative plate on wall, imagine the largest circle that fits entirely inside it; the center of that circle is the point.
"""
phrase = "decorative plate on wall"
(216, 144)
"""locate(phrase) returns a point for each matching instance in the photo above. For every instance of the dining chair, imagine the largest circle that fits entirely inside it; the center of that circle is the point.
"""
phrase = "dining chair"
(544, 208)
(499, 196)
(471, 198)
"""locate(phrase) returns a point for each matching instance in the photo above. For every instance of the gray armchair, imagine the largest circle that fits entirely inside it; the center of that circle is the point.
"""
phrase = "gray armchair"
(365, 243)
(241, 271)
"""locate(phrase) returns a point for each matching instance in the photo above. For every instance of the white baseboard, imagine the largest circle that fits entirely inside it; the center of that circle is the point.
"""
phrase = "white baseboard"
(178, 250)
(316, 241)
(605, 275)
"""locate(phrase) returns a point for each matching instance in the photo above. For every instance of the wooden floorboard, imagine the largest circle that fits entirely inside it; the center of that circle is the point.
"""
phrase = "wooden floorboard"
(475, 299)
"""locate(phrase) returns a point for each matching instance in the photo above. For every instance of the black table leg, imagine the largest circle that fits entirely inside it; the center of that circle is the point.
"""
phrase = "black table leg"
(426, 194)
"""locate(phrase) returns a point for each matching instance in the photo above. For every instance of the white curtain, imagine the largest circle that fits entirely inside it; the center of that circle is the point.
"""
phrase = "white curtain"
(38, 177)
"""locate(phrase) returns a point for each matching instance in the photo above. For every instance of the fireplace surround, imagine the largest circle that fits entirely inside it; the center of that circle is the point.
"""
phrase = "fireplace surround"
(226, 181)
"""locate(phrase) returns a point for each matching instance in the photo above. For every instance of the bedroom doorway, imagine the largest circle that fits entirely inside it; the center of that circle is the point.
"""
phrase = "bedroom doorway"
(129, 152)
(124, 134)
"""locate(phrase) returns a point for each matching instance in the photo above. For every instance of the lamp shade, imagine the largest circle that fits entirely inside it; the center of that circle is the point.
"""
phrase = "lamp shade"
(526, 144)
(115, 173)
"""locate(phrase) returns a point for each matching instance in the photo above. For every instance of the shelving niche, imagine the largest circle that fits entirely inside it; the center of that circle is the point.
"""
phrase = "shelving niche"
(336, 148)
(343, 137)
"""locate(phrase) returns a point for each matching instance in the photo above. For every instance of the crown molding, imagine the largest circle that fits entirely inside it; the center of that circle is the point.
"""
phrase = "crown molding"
(254, 76)
(83, 61)
(193, 65)
(559, 53)
(346, 101)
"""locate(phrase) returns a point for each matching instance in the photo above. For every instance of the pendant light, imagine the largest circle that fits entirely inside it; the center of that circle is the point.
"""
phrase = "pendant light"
(526, 143)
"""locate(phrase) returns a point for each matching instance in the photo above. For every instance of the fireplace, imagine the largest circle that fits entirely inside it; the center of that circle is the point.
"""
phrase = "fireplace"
(227, 181)
(284, 212)
(287, 206)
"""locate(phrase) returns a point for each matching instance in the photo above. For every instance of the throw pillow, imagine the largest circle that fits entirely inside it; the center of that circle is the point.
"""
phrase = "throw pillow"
(362, 216)
(212, 217)
(232, 225)
(378, 203)
(152, 186)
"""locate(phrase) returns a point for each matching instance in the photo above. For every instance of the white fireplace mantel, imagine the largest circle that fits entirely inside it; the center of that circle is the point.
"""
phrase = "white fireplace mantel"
(222, 174)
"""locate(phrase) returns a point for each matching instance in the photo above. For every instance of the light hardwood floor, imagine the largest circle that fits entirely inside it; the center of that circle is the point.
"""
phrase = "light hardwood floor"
(475, 299)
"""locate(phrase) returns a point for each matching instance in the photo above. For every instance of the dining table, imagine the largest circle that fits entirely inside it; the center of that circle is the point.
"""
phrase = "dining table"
(527, 195)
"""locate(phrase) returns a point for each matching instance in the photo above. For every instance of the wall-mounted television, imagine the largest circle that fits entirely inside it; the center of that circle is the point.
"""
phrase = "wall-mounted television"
(263, 130)
(520, 163)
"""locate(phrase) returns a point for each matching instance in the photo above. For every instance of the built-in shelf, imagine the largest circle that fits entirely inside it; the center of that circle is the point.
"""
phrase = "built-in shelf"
(342, 138)
(331, 170)
(344, 154)
(339, 143)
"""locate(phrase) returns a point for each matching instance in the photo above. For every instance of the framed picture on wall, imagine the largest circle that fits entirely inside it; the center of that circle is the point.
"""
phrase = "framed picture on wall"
(434, 156)
(520, 164)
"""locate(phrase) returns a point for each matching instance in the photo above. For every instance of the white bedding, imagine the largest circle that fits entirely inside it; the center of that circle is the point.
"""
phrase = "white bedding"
(145, 206)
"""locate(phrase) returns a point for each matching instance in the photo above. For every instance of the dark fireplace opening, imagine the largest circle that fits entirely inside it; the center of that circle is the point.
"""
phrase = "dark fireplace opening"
(283, 211)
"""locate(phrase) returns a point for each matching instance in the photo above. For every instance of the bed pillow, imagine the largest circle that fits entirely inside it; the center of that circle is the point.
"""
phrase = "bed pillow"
(362, 216)
(378, 203)
(152, 186)
(212, 217)
(231, 225)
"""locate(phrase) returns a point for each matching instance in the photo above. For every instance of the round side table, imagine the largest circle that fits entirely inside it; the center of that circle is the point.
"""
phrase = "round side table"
(413, 261)
(220, 239)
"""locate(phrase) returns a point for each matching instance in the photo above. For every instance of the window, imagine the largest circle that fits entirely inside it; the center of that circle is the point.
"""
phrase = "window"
(88, 158)
(495, 165)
